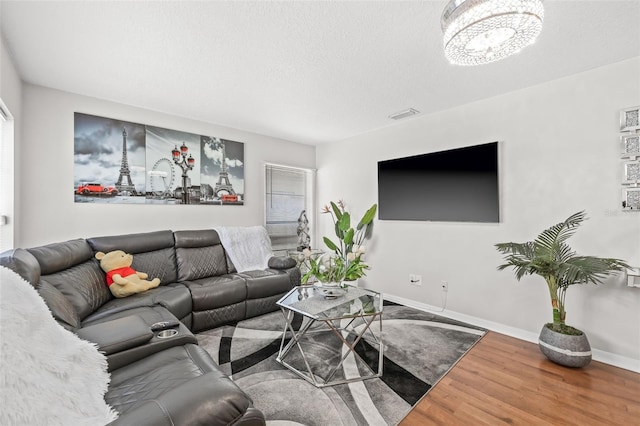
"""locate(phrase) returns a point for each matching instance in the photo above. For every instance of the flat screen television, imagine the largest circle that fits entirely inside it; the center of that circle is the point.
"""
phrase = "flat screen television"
(457, 185)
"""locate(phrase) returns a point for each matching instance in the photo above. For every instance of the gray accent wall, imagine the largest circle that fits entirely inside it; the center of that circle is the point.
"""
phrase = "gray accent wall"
(559, 154)
(46, 172)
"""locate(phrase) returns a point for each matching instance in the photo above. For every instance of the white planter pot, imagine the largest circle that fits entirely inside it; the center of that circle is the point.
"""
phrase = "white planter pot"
(353, 283)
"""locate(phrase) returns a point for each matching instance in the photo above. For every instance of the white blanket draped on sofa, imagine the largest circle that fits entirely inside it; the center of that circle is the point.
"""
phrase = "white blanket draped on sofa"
(248, 247)
(49, 375)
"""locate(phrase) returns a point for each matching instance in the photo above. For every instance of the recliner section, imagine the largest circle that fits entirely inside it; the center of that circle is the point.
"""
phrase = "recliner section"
(148, 315)
(179, 386)
(158, 380)
(203, 267)
(220, 294)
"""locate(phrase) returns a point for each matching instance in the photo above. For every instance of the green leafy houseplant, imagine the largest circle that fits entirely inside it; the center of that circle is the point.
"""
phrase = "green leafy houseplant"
(345, 262)
(550, 257)
(327, 268)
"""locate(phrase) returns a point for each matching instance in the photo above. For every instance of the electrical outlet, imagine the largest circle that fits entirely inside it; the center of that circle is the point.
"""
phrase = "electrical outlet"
(445, 286)
(415, 279)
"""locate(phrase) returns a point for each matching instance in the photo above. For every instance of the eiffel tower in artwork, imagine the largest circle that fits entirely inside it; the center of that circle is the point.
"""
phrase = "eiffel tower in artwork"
(223, 180)
(124, 170)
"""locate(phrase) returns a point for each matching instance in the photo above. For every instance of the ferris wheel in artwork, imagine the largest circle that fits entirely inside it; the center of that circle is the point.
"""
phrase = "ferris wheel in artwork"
(162, 177)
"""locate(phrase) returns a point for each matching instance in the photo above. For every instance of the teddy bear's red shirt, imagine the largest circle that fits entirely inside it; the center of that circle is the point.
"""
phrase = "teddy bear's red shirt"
(123, 272)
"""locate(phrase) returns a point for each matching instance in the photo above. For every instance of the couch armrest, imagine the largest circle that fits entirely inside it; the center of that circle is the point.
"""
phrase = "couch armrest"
(288, 266)
(205, 400)
(281, 262)
(117, 335)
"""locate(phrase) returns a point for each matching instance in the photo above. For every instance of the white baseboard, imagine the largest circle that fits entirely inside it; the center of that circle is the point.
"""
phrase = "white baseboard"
(598, 355)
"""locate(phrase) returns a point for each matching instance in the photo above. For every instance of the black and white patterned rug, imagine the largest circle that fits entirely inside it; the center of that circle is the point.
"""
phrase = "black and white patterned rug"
(419, 349)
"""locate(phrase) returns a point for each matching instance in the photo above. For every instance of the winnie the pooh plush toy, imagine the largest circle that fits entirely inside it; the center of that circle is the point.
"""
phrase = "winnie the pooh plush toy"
(122, 279)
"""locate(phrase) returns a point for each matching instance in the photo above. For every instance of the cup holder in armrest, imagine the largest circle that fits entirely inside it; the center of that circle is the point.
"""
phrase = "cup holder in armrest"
(165, 334)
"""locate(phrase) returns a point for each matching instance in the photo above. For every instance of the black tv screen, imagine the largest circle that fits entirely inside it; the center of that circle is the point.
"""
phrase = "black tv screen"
(458, 185)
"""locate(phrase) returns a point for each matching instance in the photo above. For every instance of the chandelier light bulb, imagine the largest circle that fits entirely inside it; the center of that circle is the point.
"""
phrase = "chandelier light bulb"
(481, 31)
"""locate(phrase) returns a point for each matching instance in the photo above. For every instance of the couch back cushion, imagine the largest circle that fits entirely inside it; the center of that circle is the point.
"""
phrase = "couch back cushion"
(153, 252)
(199, 254)
(61, 308)
(22, 263)
(230, 266)
(70, 268)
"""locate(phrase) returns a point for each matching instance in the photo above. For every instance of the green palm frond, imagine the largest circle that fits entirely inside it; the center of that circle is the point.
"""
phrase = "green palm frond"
(564, 253)
(588, 269)
(546, 253)
(551, 238)
(519, 256)
(550, 256)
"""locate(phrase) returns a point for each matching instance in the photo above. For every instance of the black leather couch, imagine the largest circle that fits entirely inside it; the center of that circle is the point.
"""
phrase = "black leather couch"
(158, 380)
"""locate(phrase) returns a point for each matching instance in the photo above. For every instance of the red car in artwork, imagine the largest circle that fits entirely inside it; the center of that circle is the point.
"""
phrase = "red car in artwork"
(229, 198)
(92, 188)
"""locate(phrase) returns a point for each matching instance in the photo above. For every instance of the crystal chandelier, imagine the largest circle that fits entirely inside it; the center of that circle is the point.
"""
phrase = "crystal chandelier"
(481, 31)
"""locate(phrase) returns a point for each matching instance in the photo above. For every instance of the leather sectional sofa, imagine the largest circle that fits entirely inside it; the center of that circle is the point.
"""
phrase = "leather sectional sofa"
(158, 380)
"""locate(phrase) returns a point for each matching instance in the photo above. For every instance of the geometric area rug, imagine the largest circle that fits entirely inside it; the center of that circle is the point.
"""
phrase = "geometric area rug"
(419, 349)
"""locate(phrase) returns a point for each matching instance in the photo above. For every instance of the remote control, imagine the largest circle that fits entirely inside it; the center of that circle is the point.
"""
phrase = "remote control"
(163, 325)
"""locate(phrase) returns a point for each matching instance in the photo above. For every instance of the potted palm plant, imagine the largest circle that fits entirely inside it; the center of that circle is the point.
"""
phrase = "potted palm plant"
(550, 257)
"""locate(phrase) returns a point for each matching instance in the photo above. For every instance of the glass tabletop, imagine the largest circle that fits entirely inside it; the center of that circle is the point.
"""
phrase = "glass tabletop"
(336, 303)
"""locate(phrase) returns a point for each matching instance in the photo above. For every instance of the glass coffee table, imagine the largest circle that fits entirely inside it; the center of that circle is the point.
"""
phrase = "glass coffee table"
(344, 314)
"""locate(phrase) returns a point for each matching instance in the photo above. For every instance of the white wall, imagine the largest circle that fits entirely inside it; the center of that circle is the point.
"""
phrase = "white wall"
(560, 154)
(11, 97)
(49, 213)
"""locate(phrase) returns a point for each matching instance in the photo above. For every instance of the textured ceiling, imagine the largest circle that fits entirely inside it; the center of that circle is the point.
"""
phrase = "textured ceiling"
(310, 72)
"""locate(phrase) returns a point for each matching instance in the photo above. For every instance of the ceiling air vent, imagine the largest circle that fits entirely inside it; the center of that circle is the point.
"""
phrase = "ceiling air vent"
(404, 114)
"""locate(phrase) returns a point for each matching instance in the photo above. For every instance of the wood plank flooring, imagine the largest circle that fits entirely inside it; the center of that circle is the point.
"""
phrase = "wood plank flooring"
(507, 381)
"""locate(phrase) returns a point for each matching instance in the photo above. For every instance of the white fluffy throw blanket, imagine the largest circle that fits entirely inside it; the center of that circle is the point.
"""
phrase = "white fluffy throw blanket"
(48, 375)
(249, 247)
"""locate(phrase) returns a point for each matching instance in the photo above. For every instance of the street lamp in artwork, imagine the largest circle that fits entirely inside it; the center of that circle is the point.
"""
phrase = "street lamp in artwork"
(186, 164)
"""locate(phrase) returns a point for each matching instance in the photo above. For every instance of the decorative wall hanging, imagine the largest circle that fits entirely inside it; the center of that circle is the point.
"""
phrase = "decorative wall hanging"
(630, 153)
(630, 145)
(631, 172)
(630, 119)
(631, 198)
(123, 162)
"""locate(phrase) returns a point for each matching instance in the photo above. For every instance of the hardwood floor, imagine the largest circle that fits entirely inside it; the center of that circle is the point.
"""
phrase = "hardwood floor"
(504, 380)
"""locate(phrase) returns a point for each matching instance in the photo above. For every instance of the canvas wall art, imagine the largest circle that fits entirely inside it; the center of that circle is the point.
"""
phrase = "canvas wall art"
(123, 162)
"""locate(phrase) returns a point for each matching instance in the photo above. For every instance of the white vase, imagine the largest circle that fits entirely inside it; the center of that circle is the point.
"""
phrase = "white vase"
(353, 283)
(329, 284)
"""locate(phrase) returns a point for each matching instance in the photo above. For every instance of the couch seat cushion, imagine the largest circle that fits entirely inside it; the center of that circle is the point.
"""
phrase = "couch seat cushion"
(265, 283)
(157, 374)
(176, 298)
(215, 292)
